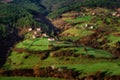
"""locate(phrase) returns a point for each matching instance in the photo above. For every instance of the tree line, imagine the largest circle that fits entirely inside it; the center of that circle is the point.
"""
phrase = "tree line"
(110, 4)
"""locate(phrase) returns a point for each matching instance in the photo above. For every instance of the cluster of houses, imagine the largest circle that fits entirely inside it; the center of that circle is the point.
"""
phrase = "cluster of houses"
(87, 26)
(116, 14)
(37, 32)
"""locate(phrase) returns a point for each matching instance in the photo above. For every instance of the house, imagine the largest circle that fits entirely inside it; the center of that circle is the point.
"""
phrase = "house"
(51, 39)
(86, 25)
(93, 13)
(30, 29)
(35, 32)
(114, 14)
(44, 35)
(53, 66)
(91, 27)
(38, 29)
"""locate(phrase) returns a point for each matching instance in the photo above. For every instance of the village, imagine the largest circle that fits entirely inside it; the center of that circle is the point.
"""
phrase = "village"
(37, 33)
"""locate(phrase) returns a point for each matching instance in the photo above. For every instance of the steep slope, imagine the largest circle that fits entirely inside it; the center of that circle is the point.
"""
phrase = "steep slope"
(86, 48)
(91, 28)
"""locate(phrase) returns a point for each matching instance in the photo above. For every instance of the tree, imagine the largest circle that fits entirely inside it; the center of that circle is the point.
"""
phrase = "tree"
(2, 31)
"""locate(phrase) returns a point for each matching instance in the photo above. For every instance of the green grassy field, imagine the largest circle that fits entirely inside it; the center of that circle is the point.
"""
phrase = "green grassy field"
(75, 34)
(98, 61)
(79, 19)
(39, 44)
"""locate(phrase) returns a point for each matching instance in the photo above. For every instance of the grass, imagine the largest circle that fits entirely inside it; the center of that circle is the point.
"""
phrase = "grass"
(89, 66)
(75, 34)
(79, 19)
(98, 66)
(62, 44)
(18, 60)
(84, 65)
(97, 53)
(112, 40)
(38, 44)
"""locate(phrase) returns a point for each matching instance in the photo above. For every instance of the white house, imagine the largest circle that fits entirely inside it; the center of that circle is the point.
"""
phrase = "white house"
(30, 29)
(53, 66)
(35, 32)
(91, 27)
(93, 13)
(44, 35)
(38, 29)
(86, 25)
(114, 14)
(51, 39)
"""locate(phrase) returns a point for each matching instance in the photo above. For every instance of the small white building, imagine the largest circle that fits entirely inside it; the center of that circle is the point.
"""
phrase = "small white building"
(35, 32)
(114, 14)
(86, 25)
(44, 35)
(51, 39)
(53, 67)
(91, 27)
(38, 29)
(93, 13)
(30, 29)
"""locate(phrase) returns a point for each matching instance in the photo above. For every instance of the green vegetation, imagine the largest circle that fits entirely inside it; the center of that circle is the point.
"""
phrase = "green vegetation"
(75, 34)
(113, 39)
(11, 13)
(89, 3)
(34, 44)
(86, 51)
(2, 31)
(32, 5)
(16, 16)
(79, 19)
(89, 43)
(53, 5)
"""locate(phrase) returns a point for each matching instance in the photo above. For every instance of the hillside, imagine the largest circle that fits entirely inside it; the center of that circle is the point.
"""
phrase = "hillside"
(59, 40)
(110, 4)
(91, 28)
(73, 55)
